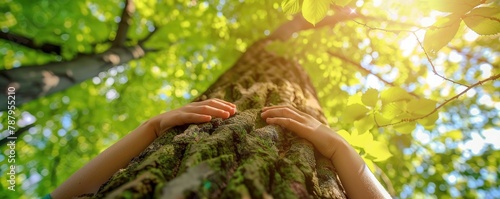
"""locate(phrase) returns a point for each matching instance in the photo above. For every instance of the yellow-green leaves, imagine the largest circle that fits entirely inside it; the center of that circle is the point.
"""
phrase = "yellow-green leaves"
(394, 94)
(376, 149)
(484, 20)
(437, 36)
(455, 6)
(312, 10)
(398, 108)
(421, 106)
(370, 97)
(364, 124)
(354, 112)
(290, 6)
(315, 10)
(379, 150)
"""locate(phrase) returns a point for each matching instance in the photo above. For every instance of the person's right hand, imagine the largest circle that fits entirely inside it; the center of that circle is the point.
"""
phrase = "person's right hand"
(195, 112)
(356, 178)
(305, 126)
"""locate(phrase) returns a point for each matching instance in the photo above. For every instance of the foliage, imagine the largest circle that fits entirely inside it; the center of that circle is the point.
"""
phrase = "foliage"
(424, 115)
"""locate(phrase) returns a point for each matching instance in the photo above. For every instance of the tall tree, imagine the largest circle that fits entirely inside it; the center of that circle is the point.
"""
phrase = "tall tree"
(378, 74)
(243, 156)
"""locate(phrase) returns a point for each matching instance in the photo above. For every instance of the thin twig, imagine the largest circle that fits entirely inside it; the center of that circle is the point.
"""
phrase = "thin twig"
(491, 78)
(345, 59)
(150, 34)
(432, 64)
(397, 31)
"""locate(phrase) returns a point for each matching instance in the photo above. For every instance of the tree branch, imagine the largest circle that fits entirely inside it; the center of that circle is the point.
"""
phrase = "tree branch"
(491, 78)
(298, 23)
(123, 25)
(345, 59)
(18, 133)
(27, 42)
(145, 39)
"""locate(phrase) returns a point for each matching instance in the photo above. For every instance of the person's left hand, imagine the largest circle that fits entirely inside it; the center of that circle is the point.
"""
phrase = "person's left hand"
(305, 126)
(196, 112)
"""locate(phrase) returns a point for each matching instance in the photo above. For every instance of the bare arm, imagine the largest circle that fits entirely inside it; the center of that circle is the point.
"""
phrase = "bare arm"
(90, 177)
(357, 179)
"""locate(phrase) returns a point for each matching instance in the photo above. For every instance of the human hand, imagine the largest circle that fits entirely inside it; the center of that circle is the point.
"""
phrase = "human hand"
(196, 112)
(304, 126)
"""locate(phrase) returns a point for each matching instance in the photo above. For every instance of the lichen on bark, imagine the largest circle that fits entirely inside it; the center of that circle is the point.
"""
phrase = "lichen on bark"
(240, 157)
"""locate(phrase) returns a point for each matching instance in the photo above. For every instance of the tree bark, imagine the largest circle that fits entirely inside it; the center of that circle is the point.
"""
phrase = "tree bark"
(27, 42)
(241, 157)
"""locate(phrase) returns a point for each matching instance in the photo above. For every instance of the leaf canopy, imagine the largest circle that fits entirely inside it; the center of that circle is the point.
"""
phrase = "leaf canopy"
(372, 78)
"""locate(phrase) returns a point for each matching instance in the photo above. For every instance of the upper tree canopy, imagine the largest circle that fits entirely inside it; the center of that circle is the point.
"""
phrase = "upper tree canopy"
(426, 121)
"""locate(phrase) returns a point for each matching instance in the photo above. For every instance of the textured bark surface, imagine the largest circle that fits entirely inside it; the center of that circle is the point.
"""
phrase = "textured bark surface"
(241, 157)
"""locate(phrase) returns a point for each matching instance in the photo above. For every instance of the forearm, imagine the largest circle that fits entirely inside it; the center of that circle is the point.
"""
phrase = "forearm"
(357, 180)
(90, 177)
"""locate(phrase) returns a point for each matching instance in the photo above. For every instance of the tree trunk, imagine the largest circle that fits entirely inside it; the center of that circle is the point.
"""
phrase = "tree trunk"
(240, 157)
(32, 82)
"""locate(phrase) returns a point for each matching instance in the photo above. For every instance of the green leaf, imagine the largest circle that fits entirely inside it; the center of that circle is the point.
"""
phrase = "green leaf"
(341, 2)
(364, 124)
(484, 20)
(441, 33)
(360, 140)
(344, 134)
(394, 94)
(370, 97)
(405, 127)
(394, 109)
(429, 121)
(421, 107)
(379, 150)
(455, 6)
(290, 7)
(315, 10)
(355, 99)
(354, 112)
(381, 119)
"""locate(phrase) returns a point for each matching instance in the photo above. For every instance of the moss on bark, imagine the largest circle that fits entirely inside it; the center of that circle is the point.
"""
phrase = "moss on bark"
(240, 157)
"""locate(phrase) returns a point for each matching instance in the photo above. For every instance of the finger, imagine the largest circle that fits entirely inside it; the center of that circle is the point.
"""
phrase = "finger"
(225, 102)
(220, 104)
(219, 100)
(289, 124)
(194, 118)
(283, 106)
(284, 112)
(207, 110)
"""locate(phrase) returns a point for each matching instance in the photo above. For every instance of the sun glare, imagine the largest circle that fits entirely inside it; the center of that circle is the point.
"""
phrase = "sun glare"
(427, 21)
(470, 36)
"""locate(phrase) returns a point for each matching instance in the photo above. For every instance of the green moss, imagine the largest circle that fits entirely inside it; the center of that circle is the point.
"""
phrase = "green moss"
(273, 97)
